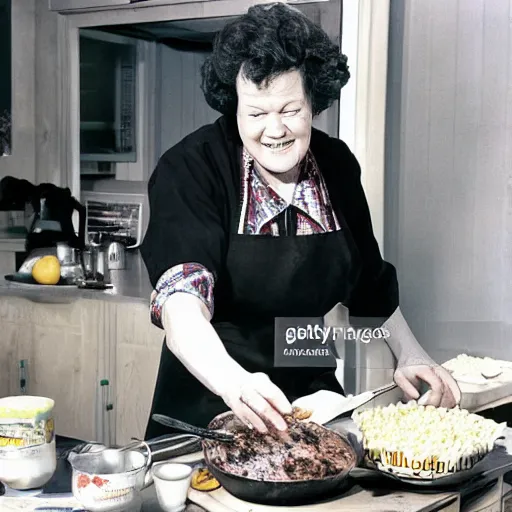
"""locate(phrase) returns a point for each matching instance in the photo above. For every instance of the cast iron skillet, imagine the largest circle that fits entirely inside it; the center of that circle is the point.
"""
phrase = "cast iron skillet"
(276, 492)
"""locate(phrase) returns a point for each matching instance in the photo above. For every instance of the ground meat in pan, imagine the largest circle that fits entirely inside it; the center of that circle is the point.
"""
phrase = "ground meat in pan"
(305, 451)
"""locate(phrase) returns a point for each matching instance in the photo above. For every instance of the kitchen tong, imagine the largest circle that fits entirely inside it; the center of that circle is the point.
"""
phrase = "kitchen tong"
(204, 433)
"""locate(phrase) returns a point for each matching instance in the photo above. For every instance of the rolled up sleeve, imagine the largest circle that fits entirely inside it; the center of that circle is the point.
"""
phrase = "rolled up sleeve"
(185, 242)
(190, 278)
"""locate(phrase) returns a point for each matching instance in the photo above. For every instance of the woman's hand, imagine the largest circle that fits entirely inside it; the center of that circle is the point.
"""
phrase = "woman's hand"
(192, 339)
(415, 365)
(444, 391)
(256, 400)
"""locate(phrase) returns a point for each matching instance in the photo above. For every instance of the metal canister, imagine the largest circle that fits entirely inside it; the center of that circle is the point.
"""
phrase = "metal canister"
(116, 256)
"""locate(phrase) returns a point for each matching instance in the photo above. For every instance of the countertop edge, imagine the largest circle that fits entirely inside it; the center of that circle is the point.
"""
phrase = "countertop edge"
(65, 296)
(130, 285)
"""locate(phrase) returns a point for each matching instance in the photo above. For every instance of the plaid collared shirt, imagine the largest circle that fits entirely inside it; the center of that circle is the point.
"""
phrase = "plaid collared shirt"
(261, 208)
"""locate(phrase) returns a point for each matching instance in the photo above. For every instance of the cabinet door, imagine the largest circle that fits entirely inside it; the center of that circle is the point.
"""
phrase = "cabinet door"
(62, 365)
(138, 348)
(16, 335)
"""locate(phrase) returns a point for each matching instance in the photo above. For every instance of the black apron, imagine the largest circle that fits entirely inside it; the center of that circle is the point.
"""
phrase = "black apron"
(267, 277)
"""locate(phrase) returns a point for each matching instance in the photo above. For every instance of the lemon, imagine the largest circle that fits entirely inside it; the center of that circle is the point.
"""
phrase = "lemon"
(46, 270)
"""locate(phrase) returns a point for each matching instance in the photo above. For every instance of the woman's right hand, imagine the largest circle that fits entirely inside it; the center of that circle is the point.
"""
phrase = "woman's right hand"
(257, 401)
(190, 336)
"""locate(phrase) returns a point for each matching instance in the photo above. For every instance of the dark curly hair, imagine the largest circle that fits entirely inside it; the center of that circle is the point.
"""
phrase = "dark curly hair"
(268, 41)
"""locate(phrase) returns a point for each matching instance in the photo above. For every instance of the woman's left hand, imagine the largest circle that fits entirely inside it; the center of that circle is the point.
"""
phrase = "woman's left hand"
(444, 391)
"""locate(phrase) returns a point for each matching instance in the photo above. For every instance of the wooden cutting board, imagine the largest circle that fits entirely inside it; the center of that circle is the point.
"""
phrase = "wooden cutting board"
(479, 393)
(358, 501)
(479, 397)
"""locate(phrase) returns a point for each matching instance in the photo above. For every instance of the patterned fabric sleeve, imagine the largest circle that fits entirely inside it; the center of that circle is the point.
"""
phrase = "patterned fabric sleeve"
(189, 278)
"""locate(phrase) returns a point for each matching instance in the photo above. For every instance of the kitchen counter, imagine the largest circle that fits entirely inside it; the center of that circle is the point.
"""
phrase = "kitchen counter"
(355, 499)
(131, 284)
(361, 500)
(365, 495)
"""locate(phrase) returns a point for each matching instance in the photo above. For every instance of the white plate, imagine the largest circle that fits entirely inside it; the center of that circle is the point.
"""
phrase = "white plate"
(40, 286)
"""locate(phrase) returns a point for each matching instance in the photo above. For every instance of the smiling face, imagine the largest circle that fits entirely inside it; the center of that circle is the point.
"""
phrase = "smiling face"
(274, 121)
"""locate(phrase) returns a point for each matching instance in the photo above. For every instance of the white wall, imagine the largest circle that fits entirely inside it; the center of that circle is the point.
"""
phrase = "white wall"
(183, 108)
(35, 60)
(449, 172)
(21, 162)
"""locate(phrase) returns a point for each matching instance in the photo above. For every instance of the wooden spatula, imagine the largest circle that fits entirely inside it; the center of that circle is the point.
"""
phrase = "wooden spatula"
(328, 405)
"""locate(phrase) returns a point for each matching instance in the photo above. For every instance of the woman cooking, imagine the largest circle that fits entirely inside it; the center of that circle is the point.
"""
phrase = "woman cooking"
(259, 216)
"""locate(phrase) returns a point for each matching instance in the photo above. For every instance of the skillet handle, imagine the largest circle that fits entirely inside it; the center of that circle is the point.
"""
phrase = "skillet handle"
(169, 450)
(170, 438)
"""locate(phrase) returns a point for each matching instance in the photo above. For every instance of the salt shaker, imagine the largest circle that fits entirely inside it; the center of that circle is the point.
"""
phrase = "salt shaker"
(116, 256)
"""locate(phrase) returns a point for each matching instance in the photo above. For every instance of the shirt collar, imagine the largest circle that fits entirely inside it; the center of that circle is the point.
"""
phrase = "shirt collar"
(310, 194)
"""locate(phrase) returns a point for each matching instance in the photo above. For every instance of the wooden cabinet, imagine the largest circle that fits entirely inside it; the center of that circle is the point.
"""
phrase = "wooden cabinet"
(59, 356)
(97, 359)
(14, 340)
(137, 356)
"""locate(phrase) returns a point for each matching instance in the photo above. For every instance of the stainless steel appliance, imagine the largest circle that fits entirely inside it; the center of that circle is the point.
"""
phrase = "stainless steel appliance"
(116, 220)
(118, 217)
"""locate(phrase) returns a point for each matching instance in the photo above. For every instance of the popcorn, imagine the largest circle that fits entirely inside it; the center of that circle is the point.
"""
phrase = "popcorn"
(419, 441)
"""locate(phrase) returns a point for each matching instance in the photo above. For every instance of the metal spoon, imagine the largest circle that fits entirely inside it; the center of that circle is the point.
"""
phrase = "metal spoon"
(488, 374)
(204, 433)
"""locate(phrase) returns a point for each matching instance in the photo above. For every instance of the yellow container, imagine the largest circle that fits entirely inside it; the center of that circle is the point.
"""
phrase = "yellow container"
(28, 456)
